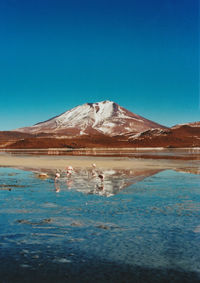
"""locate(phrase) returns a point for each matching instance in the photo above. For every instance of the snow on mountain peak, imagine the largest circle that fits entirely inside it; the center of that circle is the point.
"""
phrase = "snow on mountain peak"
(106, 117)
(87, 114)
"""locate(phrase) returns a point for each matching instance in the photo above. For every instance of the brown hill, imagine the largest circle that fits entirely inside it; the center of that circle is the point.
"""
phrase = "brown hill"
(9, 137)
(179, 136)
(73, 142)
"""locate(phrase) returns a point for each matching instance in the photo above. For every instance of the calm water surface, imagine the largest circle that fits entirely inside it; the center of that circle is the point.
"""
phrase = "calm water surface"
(180, 153)
(135, 227)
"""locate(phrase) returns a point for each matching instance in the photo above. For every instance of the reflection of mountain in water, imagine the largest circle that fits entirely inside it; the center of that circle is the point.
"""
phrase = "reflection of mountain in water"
(88, 181)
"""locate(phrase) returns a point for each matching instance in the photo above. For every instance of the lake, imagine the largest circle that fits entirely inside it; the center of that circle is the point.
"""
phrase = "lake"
(132, 227)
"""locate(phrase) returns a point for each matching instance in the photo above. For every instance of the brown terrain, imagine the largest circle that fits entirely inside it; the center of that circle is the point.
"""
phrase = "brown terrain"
(42, 142)
(176, 137)
(8, 138)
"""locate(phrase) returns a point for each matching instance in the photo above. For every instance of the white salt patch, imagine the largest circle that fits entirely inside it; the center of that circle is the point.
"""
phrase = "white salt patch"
(62, 260)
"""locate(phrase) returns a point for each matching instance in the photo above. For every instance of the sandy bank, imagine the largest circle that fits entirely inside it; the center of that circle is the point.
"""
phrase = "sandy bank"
(60, 162)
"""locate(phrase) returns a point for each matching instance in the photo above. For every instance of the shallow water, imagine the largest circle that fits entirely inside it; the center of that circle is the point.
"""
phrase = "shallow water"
(135, 227)
(159, 152)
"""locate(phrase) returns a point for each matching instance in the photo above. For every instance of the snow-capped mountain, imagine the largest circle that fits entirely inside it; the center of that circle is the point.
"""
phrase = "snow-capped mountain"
(106, 117)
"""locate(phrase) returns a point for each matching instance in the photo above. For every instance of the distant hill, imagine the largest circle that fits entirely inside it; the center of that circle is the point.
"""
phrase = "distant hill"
(184, 135)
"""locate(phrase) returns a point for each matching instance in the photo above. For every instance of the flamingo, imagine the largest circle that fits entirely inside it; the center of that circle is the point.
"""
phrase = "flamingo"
(57, 176)
(69, 170)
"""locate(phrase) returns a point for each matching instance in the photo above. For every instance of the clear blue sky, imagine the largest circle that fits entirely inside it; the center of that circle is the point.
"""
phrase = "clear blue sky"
(57, 54)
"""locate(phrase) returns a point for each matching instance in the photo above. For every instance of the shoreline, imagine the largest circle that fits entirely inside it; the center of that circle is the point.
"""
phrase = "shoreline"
(103, 148)
(53, 162)
(158, 153)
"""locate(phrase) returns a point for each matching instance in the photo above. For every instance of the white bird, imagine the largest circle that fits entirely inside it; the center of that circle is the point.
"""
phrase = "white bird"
(69, 171)
(70, 168)
(57, 176)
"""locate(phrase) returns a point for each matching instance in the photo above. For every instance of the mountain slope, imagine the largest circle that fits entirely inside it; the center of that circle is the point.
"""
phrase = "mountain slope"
(105, 117)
